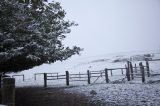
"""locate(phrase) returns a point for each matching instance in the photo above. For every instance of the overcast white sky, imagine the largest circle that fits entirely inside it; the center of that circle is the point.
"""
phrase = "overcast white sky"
(108, 26)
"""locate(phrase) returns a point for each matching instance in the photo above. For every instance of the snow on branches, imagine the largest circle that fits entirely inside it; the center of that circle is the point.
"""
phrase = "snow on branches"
(31, 36)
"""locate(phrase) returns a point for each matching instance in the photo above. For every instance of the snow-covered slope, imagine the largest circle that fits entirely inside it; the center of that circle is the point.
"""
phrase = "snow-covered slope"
(93, 63)
(121, 94)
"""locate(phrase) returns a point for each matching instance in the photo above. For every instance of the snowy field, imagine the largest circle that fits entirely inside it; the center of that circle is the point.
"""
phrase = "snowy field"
(125, 93)
(122, 94)
(81, 65)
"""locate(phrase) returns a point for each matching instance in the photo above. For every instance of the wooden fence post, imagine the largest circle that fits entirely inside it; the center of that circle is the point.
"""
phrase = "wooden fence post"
(127, 74)
(122, 71)
(128, 71)
(67, 78)
(89, 77)
(111, 72)
(0, 79)
(8, 91)
(148, 70)
(131, 68)
(0, 89)
(142, 71)
(101, 73)
(23, 77)
(57, 75)
(135, 68)
(34, 76)
(79, 75)
(45, 79)
(106, 75)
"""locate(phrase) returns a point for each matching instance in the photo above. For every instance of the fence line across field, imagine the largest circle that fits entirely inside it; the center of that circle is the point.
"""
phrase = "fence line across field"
(130, 72)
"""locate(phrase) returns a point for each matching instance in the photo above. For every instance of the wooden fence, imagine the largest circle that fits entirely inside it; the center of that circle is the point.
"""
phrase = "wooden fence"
(22, 75)
(68, 77)
(137, 72)
(130, 72)
(79, 76)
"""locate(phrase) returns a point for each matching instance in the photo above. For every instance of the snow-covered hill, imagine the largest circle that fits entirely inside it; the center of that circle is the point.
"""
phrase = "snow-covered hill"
(119, 94)
(93, 63)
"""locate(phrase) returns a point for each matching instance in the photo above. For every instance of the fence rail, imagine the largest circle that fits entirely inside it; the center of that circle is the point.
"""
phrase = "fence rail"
(154, 60)
(22, 75)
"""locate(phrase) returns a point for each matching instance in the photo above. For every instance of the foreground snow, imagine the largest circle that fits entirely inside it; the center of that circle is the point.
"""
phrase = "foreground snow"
(122, 94)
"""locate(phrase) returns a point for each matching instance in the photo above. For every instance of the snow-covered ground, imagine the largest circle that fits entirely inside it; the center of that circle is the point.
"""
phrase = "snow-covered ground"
(122, 94)
(115, 93)
(93, 63)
